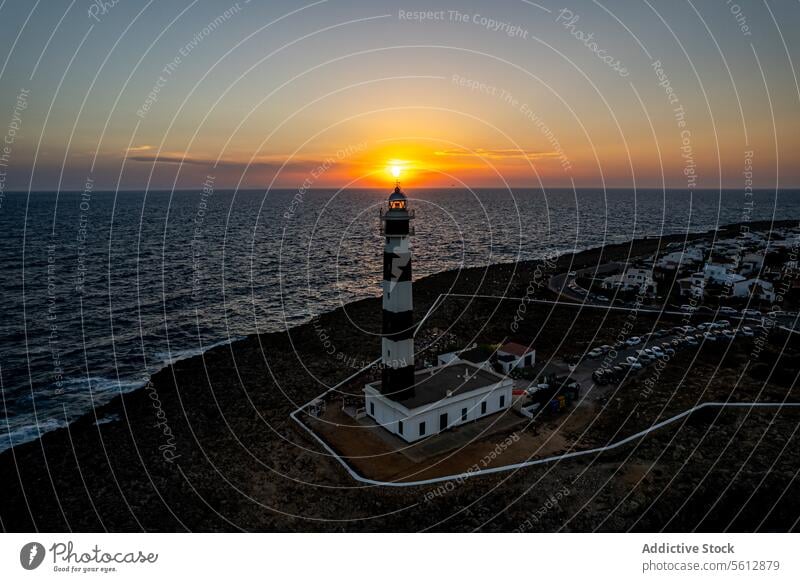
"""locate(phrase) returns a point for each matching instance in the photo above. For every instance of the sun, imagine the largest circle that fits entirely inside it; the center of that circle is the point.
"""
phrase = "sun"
(395, 169)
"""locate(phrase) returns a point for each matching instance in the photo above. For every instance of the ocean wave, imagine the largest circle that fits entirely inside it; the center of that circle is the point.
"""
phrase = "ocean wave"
(168, 358)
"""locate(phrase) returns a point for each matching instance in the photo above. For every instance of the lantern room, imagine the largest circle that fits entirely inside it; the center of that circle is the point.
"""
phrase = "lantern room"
(397, 200)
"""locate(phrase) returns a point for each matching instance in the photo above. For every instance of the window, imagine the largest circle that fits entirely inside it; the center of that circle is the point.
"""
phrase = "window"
(483, 407)
(421, 429)
(463, 415)
(502, 400)
(443, 422)
(372, 409)
(400, 427)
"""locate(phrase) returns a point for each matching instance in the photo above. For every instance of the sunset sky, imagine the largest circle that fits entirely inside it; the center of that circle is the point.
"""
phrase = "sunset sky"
(332, 93)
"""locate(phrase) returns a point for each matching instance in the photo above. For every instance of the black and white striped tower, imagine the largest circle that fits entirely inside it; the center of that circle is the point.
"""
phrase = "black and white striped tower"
(397, 379)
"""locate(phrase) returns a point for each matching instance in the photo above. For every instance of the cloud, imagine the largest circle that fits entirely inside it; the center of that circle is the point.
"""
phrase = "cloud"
(257, 164)
(498, 154)
(142, 148)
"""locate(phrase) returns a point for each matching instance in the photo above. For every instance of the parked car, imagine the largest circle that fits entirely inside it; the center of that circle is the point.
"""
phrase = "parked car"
(751, 312)
(747, 331)
(595, 353)
(634, 341)
(728, 310)
(632, 360)
(691, 341)
(687, 308)
(709, 336)
(723, 323)
(658, 351)
(669, 351)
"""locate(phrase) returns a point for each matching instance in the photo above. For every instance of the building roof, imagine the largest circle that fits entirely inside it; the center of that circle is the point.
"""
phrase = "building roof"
(436, 384)
(518, 350)
(476, 355)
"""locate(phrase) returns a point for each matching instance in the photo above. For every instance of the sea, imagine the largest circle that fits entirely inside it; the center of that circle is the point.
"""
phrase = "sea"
(102, 289)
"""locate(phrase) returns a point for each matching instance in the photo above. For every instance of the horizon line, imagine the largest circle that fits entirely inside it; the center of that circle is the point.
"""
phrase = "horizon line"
(564, 188)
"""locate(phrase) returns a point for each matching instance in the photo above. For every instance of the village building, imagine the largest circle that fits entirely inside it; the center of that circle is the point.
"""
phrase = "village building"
(513, 355)
(632, 279)
(754, 288)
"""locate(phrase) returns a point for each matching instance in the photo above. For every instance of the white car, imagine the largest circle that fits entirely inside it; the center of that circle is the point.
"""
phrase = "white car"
(633, 341)
(709, 337)
(595, 353)
(751, 312)
(747, 331)
(632, 360)
(728, 310)
(658, 351)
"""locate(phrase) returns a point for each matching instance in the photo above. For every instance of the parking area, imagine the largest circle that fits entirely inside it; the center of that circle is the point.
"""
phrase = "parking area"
(611, 363)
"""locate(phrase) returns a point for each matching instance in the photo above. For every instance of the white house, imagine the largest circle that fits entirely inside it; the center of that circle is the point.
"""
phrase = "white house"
(717, 271)
(632, 278)
(513, 355)
(478, 355)
(755, 287)
(443, 397)
(752, 263)
(692, 286)
(678, 259)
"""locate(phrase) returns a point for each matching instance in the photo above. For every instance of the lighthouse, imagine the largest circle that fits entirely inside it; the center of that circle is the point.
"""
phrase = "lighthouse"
(417, 404)
(397, 345)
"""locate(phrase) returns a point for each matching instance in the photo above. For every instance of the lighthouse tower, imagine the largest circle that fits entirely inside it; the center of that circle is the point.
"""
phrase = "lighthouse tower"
(397, 380)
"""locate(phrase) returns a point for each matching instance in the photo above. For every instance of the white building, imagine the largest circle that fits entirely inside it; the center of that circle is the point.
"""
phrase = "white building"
(717, 272)
(755, 287)
(443, 397)
(692, 286)
(513, 355)
(752, 263)
(632, 278)
(677, 259)
(479, 356)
